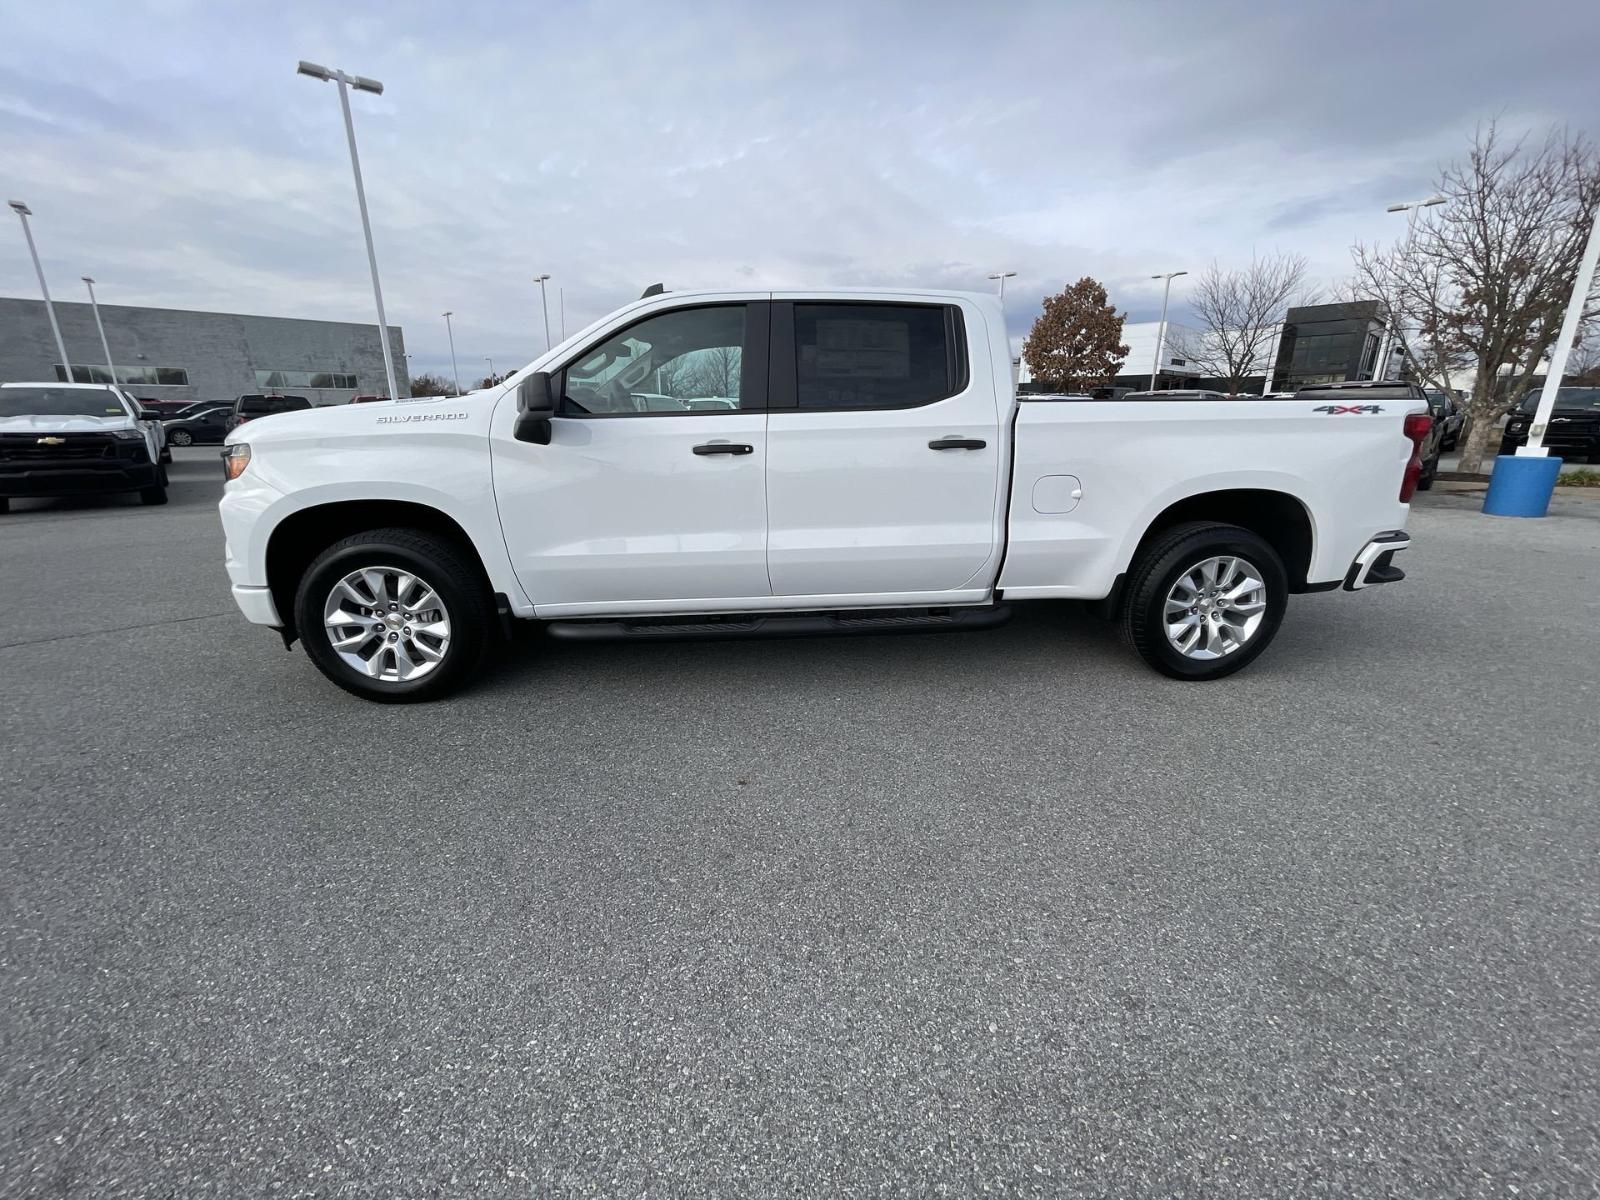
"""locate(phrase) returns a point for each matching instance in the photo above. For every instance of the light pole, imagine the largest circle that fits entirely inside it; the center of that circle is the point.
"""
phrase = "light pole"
(23, 213)
(110, 366)
(1161, 329)
(1410, 208)
(1002, 276)
(361, 84)
(490, 361)
(1564, 341)
(454, 370)
(544, 299)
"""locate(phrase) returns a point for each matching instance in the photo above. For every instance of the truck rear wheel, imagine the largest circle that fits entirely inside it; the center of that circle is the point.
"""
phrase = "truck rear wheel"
(1204, 600)
(394, 615)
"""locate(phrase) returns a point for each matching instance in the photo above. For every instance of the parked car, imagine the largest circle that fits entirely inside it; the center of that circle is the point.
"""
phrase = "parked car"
(1450, 413)
(206, 427)
(367, 399)
(68, 439)
(1574, 429)
(879, 472)
(249, 407)
(1370, 395)
(162, 409)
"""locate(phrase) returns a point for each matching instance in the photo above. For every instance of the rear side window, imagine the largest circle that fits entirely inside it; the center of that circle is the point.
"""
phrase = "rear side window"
(854, 356)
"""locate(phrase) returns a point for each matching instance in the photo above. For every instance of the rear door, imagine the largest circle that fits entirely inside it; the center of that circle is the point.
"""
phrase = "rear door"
(883, 451)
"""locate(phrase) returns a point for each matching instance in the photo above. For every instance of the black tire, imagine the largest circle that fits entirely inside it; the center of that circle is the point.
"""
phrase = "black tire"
(1158, 567)
(1430, 472)
(181, 437)
(5, 504)
(154, 495)
(447, 568)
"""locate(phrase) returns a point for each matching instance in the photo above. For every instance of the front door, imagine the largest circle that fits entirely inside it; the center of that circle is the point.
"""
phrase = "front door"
(883, 452)
(651, 494)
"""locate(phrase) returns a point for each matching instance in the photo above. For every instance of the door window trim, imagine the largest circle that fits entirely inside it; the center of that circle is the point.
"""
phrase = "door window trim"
(753, 391)
(783, 379)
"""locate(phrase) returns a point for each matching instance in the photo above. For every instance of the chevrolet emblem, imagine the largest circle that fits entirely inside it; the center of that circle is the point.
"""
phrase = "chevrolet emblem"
(52, 441)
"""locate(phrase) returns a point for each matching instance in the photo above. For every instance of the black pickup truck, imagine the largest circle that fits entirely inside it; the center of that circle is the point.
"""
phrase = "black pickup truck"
(1574, 431)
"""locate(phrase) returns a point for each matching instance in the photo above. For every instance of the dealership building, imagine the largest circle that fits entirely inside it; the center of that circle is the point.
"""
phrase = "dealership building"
(175, 354)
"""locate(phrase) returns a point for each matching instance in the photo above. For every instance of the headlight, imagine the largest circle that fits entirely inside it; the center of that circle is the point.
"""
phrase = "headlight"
(128, 435)
(235, 459)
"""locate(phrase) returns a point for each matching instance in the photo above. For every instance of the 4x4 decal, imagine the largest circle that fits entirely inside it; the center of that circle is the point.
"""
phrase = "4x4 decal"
(1336, 409)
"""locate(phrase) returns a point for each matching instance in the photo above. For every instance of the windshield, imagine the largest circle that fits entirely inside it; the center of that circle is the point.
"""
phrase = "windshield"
(1586, 398)
(60, 402)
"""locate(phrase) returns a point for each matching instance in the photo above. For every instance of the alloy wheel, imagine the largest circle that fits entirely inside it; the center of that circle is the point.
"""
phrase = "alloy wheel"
(1215, 607)
(387, 623)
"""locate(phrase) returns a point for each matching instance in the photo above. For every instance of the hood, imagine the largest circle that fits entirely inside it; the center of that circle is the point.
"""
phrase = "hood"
(363, 420)
(44, 424)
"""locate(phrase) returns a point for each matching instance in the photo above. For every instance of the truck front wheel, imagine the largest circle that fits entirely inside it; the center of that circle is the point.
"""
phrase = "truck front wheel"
(1203, 600)
(394, 615)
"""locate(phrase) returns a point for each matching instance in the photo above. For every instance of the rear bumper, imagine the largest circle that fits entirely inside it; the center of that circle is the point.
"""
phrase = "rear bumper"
(1375, 563)
(77, 479)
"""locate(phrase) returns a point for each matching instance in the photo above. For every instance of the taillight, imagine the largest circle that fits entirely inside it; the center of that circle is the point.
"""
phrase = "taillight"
(1417, 428)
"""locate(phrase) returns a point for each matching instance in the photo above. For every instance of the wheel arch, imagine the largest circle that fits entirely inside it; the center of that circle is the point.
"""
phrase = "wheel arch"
(305, 533)
(1281, 519)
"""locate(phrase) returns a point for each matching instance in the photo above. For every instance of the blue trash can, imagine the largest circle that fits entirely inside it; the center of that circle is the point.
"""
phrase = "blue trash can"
(1521, 487)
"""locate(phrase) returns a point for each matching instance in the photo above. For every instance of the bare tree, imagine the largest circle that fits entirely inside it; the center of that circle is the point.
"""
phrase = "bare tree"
(715, 371)
(1583, 365)
(1487, 275)
(1415, 298)
(430, 385)
(1239, 313)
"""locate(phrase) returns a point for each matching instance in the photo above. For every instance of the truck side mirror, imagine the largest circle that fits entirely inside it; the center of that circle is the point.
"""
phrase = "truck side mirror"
(536, 404)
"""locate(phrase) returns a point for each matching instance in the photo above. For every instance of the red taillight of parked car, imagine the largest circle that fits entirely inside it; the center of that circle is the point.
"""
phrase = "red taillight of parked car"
(1417, 428)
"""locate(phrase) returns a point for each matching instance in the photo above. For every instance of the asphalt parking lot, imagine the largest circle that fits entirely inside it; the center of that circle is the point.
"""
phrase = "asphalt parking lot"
(919, 915)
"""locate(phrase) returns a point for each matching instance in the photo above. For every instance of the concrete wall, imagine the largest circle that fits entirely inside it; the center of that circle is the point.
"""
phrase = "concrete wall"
(220, 351)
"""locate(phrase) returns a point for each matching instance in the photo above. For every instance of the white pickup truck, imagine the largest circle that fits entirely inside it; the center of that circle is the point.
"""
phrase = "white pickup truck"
(736, 463)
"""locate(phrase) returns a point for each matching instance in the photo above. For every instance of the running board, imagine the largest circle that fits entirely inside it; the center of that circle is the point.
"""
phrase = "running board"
(776, 625)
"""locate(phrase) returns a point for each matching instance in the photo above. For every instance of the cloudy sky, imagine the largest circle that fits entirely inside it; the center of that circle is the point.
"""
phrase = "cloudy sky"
(169, 149)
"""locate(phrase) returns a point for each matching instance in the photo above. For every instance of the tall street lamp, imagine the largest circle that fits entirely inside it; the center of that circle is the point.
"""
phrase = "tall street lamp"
(1564, 343)
(361, 84)
(454, 370)
(490, 361)
(544, 299)
(23, 213)
(1002, 276)
(1161, 329)
(110, 366)
(1410, 208)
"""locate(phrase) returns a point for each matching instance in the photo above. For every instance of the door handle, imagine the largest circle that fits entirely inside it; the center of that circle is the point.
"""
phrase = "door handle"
(957, 443)
(724, 448)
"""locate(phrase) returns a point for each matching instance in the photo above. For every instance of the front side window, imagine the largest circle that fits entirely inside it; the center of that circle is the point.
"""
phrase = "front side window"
(686, 361)
(854, 356)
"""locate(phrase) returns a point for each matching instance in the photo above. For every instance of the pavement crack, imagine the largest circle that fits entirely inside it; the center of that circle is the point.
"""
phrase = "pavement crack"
(68, 637)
